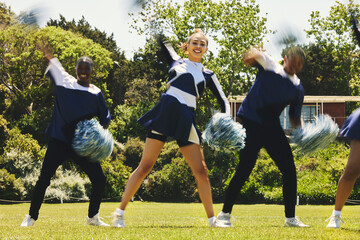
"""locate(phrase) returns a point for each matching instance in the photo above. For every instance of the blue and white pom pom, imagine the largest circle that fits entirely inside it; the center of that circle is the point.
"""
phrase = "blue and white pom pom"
(315, 135)
(223, 133)
(91, 140)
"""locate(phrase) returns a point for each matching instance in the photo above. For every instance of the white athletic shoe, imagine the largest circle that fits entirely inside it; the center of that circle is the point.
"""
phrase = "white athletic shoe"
(28, 221)
(96, 221)
(119, 220)
(223, 220)
(334, 221)
(295, 222)
(213, 222)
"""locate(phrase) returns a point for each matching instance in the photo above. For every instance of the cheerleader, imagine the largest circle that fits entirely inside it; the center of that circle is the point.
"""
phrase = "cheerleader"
(174, 116)
(350, 130)
(274, 88)
(76, 99)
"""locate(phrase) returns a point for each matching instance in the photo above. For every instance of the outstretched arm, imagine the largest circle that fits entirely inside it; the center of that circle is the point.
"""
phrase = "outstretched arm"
(250, 57)
(168, 51)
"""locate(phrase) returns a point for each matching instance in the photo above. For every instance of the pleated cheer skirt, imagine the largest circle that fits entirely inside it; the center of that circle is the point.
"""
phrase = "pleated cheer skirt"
(170, 118)
(351, 127)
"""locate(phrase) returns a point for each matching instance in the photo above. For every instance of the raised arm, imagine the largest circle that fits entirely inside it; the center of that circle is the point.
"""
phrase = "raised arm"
(251, 57)
(168, 51)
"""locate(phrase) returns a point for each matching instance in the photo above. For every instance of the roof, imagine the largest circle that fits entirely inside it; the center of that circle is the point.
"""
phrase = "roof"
(311, 99)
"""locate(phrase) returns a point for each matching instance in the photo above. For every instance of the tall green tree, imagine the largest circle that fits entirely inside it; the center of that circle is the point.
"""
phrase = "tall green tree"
(5, 14)
(332, 65)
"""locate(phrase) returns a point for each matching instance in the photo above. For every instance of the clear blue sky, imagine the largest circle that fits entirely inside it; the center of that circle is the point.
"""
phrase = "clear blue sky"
(111, 16)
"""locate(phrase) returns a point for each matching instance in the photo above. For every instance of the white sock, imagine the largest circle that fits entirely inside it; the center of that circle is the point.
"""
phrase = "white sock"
(289, 219)
(336, 213)
(119, 211)
(211, 219)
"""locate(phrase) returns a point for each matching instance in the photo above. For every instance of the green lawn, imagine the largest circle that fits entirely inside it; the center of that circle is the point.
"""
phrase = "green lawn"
(175, 221)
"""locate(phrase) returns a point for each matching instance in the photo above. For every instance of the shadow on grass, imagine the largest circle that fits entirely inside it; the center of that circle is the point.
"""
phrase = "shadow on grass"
(349, 230)
(165, 227)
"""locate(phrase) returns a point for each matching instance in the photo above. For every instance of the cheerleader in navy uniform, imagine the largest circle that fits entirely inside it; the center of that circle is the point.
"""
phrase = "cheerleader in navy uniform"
(274, 88)
(75, 100)
(174, 116)
(350, 130)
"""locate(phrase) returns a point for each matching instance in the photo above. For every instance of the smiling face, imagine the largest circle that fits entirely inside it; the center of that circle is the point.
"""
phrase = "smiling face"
(197, 47)
(83, 72)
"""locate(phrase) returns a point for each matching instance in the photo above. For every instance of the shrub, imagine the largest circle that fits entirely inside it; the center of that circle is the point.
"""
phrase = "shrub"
(117, 175)
(10, 187)
(68, 185)
(221, 165)
(4, 92)
(4, 133)
(169, 152)
(24, 143)
(174, 182)
(35, 124)
(124, 123)
(132, 152)
(319, 173)
(19, 163)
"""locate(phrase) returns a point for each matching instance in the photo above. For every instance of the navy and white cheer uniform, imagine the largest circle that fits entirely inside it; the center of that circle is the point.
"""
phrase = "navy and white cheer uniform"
(272, 90)
(174, 115)
(73, 103)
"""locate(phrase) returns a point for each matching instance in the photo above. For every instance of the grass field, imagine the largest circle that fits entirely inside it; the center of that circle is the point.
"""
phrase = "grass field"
(175, 221)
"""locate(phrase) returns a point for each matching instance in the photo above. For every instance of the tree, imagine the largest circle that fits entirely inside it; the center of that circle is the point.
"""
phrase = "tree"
(5, 15)
(332, 64)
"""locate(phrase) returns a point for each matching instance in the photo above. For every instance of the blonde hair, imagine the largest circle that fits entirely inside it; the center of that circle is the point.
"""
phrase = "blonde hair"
(184, 45)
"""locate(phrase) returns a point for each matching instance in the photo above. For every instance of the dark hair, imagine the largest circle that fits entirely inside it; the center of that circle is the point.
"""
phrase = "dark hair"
(183, 46)
(296, 51)
(86, 60)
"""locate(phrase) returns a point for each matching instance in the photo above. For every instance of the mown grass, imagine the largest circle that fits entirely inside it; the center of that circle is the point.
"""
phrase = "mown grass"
(175, 221)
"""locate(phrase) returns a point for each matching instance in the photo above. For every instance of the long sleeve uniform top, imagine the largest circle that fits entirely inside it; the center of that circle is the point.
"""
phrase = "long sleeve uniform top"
(189, 79)
(271, 92)
(73, 103)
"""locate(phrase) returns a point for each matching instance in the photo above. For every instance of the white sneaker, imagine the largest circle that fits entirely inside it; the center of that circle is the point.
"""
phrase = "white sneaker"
(223, 220)
(294, 222)
(28, 221)
(213, 222)
(119, 220)
(334, 221)
(96, 221)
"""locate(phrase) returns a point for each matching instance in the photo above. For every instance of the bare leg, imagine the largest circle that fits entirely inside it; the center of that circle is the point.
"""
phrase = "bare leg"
(348, 178)
(151, 152)
(195, 158)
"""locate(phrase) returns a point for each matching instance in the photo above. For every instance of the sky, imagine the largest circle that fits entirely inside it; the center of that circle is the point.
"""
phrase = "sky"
(111, 16)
